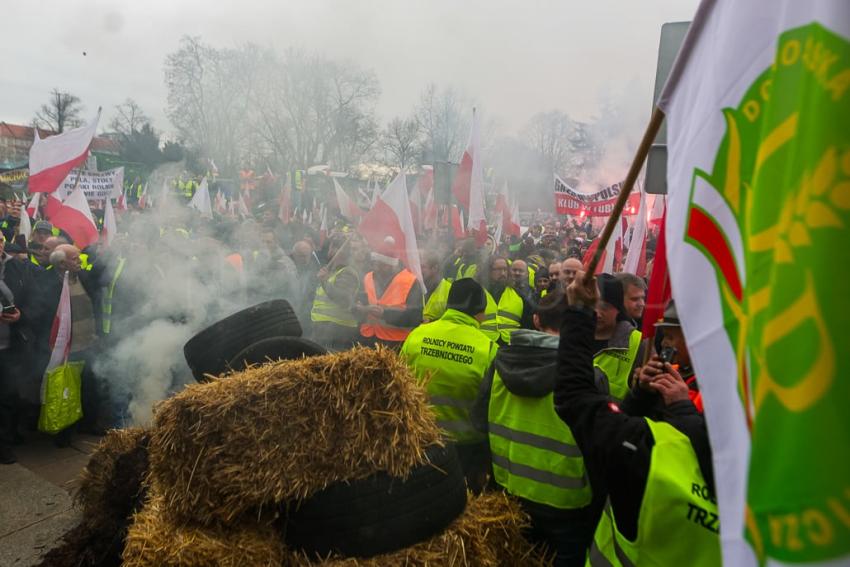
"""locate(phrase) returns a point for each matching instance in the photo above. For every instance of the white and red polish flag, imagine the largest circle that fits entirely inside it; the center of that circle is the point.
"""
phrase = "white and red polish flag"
(636, 256)
(32, 207)
(468, 186)
(52, 159)
(60, 332)
(110, 227)
(347, 207)
(391, 216)
(74, 217)
(429, 216)
(508, 211)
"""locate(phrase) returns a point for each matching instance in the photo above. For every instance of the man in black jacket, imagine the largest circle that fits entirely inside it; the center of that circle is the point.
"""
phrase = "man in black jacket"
(534, 455)
(15, 287)
(618, 447)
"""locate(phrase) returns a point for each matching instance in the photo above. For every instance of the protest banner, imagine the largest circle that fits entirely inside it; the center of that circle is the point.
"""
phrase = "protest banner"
(568, 201)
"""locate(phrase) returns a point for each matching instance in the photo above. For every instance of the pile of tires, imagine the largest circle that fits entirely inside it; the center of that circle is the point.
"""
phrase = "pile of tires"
(210, 352)
(379, 514)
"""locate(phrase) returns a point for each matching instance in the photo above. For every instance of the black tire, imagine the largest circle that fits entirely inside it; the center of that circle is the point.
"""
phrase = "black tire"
(275, 348)
(209, 351)
(380, 514)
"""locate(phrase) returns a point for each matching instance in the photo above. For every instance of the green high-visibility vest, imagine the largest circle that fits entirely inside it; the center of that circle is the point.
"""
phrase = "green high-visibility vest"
(616, 364)
(325, 310)
(501, 319)
(107, 297)
(451, 355)
(465, 270)
(533, 451)
(678, 519)
(436, 305)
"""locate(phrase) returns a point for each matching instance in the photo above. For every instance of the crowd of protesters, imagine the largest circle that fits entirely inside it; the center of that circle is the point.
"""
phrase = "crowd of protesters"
(542, 383)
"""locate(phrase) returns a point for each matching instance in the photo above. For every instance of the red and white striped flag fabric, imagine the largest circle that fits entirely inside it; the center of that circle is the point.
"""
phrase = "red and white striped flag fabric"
(468, 186)
(74, 217)
(32, 207)
(391, 217)
(429, 216)
(52, 159)
(636, 256)
(347, 207)
(60, 332)
(110, 227)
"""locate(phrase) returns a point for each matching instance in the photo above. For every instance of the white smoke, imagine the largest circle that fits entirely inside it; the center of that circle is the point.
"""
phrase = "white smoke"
(177, 282)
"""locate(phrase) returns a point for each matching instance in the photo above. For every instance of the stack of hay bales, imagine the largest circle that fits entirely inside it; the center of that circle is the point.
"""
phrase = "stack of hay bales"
(228, 456)
(111, 490)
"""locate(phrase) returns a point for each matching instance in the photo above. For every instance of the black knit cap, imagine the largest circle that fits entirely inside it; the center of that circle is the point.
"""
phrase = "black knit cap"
(611, 291)
(467, 296)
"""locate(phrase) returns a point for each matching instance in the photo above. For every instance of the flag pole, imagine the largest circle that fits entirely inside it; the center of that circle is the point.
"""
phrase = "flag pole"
(640, 156)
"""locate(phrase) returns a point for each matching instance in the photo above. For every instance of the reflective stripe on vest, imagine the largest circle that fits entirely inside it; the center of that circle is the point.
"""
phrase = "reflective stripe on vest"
(107, 297)
(451, 356)
(677, 524)
(394, 297)
(616, 364)
(503, 318)
(534, 454)
(328, 311)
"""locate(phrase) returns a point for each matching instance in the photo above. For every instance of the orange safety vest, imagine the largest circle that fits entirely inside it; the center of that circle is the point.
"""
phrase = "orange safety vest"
(235, 260)
(394, 296)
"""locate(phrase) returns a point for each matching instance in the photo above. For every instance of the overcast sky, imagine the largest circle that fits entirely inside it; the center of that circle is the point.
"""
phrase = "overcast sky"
(516, 58)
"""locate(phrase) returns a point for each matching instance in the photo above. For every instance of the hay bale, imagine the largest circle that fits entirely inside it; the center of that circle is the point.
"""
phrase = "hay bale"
(110, 490)
(111, 485)
(487, 534)
(286, 430)
(157, 539)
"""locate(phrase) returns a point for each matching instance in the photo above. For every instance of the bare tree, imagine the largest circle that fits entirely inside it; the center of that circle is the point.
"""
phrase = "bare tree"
(402, 141)
(549, 134)
(444, 117)
(208, 99)
(62, 111)
(316, 111)
(129, 118)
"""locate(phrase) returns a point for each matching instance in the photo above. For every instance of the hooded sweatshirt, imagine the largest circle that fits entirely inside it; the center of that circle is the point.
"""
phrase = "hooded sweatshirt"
(527, 366)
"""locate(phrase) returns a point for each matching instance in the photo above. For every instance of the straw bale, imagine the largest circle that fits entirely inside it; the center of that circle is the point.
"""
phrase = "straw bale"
(157, 539)
(487, 534)
(111, 484)
(285, 430)
(110, 489)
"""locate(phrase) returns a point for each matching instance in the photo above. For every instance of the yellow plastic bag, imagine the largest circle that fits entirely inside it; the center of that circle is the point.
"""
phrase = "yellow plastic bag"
(61, 405)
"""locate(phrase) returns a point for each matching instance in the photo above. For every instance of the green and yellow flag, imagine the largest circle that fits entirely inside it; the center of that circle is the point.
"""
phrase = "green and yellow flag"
(758, 246)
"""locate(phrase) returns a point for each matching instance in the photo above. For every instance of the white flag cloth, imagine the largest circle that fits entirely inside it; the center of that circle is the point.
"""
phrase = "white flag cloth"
(468, 185)
(201, 201)
(110, 227)
(347, 207)
(60, 332)
(25, 227)
(638, 239)
(74, 217)
(32, 207)
(391, 216)
(53, 158)
(757, 228)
